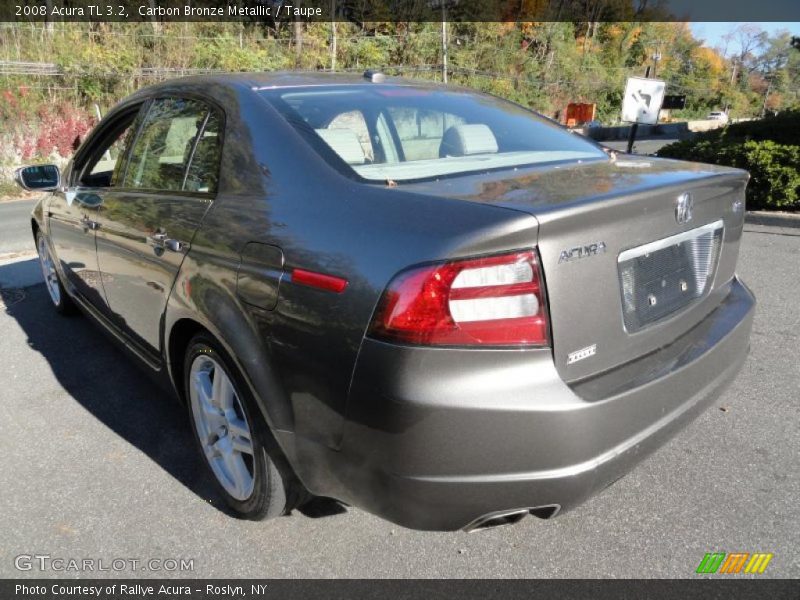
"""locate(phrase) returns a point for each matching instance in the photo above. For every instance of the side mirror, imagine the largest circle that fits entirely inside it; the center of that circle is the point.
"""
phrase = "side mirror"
(42, 178)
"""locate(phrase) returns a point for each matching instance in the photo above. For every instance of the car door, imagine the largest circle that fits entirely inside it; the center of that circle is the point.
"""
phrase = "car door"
(146, 226)
(72, 209)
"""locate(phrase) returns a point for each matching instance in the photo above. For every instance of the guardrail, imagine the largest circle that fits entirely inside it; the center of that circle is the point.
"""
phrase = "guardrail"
(681, 130)
(15, 67)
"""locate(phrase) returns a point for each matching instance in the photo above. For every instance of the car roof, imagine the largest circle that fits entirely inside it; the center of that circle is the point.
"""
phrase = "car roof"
(217, 86)
(282, 79)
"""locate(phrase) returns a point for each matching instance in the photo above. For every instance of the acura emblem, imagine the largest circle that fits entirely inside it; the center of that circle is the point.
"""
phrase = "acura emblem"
(684, 207)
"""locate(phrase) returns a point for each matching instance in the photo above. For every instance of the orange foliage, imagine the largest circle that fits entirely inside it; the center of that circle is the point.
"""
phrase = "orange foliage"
(711, 60)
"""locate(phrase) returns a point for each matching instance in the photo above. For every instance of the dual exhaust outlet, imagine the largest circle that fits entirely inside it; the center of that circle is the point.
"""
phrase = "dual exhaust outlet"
(510, 517)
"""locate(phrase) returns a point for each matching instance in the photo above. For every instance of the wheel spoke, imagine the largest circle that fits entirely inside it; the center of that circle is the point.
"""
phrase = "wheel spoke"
(202, 383)
(210, 451)
(222, 390)
(49, 272)
(240, 436)
(242, 445)
(236, 470)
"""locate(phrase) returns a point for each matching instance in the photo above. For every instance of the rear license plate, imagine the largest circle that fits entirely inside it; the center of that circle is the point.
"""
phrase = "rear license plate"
(664, 277)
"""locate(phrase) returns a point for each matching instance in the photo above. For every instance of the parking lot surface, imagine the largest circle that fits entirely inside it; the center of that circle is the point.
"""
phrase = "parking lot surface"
(645, 145)
(99, 464)
(15, 231)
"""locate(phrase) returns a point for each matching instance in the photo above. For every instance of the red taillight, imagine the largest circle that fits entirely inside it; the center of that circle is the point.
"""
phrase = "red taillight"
(491, 301)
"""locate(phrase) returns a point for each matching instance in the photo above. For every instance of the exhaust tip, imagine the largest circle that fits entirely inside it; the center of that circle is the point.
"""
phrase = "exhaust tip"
(510, 517)
(497, 519)
(545, 512)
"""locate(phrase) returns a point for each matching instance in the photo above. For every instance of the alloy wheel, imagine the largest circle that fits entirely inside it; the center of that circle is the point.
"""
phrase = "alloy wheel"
(49, 271)
(222, 427)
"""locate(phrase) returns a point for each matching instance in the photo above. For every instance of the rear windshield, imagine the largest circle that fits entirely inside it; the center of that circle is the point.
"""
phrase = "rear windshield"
(405, 133)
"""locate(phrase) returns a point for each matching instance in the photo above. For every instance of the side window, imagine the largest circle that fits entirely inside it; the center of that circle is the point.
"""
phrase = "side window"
(163, 148)
(421, 131)
(104, 165)
(204, 166)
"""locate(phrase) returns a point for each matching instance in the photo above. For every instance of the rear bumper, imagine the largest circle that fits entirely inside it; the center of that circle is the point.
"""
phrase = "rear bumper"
(436, 438)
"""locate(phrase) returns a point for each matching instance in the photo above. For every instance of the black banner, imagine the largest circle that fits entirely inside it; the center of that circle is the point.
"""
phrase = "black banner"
(351, 589)
(674, 102)
(361, 11)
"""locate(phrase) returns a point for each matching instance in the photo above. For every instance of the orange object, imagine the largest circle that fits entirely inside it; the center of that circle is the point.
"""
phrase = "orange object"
(579, 113)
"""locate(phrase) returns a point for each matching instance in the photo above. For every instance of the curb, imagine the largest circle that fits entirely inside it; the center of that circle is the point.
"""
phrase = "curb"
(772, 219)
(12, 257)
(12, 199)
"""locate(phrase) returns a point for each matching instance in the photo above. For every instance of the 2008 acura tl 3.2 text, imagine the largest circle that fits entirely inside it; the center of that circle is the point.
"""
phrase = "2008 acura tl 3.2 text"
(419, 300)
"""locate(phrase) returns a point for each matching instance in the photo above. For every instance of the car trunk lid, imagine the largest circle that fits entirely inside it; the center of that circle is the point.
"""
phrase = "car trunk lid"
(626, 271)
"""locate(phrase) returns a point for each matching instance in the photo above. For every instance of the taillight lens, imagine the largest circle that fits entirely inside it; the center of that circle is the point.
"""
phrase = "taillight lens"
(489, 301)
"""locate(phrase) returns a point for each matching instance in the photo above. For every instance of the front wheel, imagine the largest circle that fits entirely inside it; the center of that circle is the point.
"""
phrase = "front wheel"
(232, 436)
(61, 301)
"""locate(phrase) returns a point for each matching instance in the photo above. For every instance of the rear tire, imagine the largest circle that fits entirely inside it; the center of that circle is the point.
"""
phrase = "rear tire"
(233, 438)
(52, 281)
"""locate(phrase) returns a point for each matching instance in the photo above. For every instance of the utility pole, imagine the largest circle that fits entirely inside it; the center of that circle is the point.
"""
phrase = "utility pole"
(333, 35)
(656, 58)
(444, 42)
(49, 26)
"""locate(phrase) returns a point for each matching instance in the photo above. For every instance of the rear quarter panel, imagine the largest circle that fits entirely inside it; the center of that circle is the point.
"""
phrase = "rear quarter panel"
(274, 189)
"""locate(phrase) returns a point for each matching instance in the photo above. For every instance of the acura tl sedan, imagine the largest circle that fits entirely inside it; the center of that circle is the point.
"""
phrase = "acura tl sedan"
(419, 300)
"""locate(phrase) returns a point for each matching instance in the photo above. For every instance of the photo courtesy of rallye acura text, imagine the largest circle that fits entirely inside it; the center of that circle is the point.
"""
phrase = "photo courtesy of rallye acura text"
(419, 300)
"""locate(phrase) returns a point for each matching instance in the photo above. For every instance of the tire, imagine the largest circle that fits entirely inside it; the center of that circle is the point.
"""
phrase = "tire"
(52, 281)
(222, 413)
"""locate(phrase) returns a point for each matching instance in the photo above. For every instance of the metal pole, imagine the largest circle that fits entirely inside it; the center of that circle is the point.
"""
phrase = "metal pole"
(635, 126)
(444, 43)
(632, 137)
(656, 58)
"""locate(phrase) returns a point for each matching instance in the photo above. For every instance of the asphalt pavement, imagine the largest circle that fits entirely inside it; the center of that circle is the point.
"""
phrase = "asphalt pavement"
(648, 145)
(14, 236)
(99, 464)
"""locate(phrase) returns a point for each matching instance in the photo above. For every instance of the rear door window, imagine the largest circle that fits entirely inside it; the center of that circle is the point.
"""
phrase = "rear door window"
(203, 173)
(172, 135)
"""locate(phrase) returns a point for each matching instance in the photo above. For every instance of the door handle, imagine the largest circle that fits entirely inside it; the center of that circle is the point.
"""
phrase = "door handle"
(175, 245)
(88, 224)
(161, 242)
